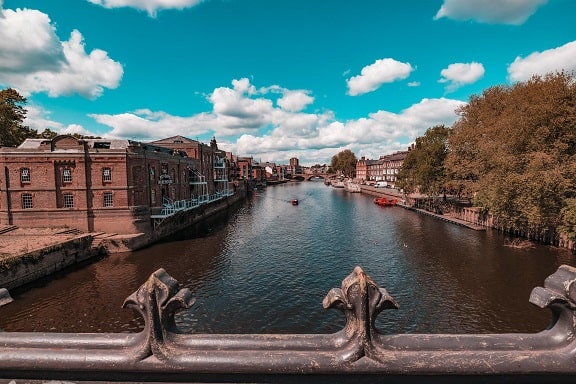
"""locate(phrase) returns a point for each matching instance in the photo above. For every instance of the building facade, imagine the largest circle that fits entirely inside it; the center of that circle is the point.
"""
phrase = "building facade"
(386, 168)
(98, 185)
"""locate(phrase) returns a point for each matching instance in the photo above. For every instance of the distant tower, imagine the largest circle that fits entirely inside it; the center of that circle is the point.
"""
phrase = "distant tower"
(294, 167)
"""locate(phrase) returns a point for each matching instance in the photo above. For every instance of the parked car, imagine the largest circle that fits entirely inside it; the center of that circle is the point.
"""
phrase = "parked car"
(381, 184)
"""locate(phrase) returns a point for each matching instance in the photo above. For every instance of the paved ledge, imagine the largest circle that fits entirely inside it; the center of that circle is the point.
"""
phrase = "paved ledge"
(389, 192)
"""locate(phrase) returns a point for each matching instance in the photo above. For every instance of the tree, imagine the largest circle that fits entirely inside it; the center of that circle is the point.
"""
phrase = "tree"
(345, 162)
(423, 168)
(514, 150)
(47, 134)
(12, 115)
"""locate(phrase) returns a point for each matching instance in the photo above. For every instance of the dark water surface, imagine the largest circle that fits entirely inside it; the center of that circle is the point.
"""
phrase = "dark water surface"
(268, 267)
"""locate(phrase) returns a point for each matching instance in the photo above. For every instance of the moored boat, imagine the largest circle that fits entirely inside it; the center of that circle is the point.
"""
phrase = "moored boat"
(385, 202)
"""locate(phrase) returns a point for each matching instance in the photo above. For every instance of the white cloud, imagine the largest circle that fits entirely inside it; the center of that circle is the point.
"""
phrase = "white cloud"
(459, 74)
(28, 42)
(39, 119)
(540, 63)
(380, 133)
(295, 101)
(374, 75)
(76, 128)
(235, 103)
(274, 133)
(33, 59)
(514, 12)
(150, 6)
(148, 125)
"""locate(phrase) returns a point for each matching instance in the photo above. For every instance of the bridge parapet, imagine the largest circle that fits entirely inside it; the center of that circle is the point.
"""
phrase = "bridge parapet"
(359, 352)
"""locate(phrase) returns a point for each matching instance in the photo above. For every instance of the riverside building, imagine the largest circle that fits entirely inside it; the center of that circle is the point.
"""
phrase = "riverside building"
(104, 185)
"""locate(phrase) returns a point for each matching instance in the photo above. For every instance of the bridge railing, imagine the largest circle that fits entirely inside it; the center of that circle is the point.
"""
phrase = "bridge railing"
(359, 352)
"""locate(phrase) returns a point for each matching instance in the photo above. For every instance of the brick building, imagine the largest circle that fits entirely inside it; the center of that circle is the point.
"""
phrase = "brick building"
(386, 168)
(98, 184)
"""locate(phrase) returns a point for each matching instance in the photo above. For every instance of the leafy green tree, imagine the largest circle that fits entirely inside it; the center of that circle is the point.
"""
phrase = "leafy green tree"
(423, 168)
(514, 150)
(345, 162)
(12, 115)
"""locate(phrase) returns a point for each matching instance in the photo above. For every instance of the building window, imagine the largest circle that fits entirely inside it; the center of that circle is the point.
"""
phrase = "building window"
(106, 175)
(27, 201)
(68, 200)
(108, 199)
(153, 197)
(67, 175)
(25, 175)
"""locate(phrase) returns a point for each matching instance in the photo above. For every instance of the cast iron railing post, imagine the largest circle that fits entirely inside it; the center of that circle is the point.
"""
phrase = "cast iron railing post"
(361, 300)
(160, 352)
(157, 300)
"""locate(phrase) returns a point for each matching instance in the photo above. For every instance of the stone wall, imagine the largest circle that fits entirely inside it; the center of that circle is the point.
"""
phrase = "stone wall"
(30, 266)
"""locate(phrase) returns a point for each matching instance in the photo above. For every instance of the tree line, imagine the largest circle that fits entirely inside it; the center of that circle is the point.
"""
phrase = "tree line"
(13, 131)
(512, 152)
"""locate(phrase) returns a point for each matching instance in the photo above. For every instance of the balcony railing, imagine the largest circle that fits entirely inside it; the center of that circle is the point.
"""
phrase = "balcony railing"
(357, 353)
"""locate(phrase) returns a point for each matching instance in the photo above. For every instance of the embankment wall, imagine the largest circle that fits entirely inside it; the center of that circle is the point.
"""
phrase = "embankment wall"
(30, 266)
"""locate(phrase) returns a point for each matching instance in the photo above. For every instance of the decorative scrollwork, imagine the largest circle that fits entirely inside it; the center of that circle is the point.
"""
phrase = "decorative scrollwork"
(560, 287)
(157, 300)
(361, 300)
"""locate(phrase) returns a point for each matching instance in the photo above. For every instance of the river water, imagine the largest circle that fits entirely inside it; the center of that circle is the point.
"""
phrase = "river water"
(266, 267)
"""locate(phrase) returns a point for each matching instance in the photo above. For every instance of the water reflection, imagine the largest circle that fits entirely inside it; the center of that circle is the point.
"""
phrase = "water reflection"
(267, 269)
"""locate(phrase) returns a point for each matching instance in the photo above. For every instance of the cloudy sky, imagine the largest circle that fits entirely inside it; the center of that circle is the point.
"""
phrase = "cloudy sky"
(273, 79)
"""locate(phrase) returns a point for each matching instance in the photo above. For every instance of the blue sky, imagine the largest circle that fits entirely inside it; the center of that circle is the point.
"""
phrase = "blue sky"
(273, 79)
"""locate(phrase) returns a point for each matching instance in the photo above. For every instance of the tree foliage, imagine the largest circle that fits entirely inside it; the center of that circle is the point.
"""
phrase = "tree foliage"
(514, 150)
(423, 168)
(345, 162)
(12, 115)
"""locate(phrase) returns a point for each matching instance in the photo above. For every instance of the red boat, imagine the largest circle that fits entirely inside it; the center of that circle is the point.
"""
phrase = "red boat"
(385, 202)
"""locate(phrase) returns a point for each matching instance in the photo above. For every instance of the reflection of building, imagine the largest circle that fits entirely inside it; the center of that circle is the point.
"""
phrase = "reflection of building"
(101, 184)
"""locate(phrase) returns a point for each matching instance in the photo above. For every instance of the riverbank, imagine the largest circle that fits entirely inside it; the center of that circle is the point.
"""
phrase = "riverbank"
(28, 254)
(390, 192)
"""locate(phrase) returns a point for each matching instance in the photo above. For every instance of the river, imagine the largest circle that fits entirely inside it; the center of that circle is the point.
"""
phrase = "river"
(266, 267)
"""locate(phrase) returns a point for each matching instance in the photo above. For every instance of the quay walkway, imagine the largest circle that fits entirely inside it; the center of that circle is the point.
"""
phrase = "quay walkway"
(390, 192)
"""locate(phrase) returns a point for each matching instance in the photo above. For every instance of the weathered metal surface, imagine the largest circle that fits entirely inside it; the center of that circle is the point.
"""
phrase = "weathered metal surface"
(5, 297)
(357, 352)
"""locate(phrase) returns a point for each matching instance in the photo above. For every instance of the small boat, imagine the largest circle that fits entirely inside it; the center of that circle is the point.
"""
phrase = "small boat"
(294, 201)
(338, 184)
(352, 187)
(385, 202)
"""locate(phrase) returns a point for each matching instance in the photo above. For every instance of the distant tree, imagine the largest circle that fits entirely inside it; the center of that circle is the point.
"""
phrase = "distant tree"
(12, 115)
(423, 168)
(47, 134)
(514, 150)
(345, 162)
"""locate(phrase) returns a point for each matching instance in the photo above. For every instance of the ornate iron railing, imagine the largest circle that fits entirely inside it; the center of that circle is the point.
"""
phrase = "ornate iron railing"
(359, 352)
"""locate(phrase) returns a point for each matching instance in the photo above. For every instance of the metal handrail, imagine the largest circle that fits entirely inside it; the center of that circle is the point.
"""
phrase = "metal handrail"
(359, 352)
